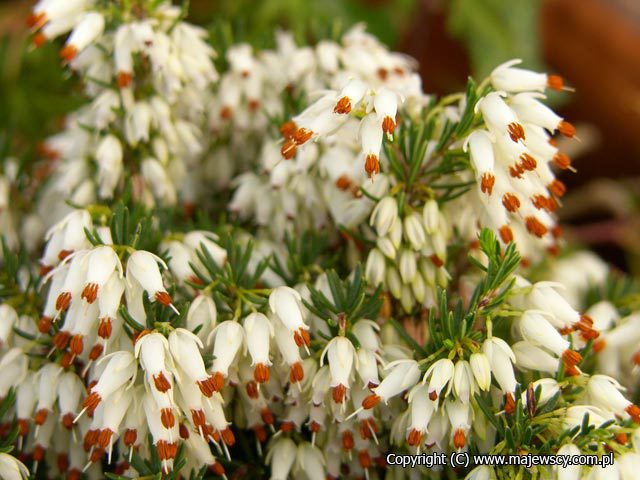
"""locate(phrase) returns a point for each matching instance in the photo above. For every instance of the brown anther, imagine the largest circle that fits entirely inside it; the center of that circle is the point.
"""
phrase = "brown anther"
(510, 202)
(297, 373)
(414, 438)
(217, 469)
(302, 135)
(585, 326)
(44, 269)
(261, 433)
(525, 262)
(516, 131)
(459, 439)
(487, 181)
(105, 438)
(183, 431)
(96, 455)
(41, 416)
(39, 39)
(288, 129)
(555, 82)
(36, 20)
(67, 359)
(344, 183)
(556, 231)
(90, 292)
(371, 401)
(634, 412)
(506, 234)
(68, 53)
(383, 73)
(218, 381)
(622, 438)
(557, 188)
(287, 426)
(61, 339)
(566, 129)
(571, 358)
(509, 403)
(44, 325)
(105, 328)
(339, 393)
(64, 254)
(63, 301)
(90, 439)
(91, 402)
(433, 395)
(74, 474)
(63, 462)
(552, 205)
(288, 150)
(562, 161)
(314, 426)
(372, 165)
(388, 125)
(343, 106)
(535, 227)
(254, 105)
(528, 162)
(161, 382)
(252, 389)
(364, 459)
(516, 171)
(347, 440)
(539, 201)
(67, 420)
(367, 428)
(163, 298)
(226, 113)
(599, 345)
(301, 337)
(124, 79)
(267, 416)
(228, 437)
(23, 427)
(76, 346)
(436, 260)
(206, 386)
(553, 250)
(198, 418)
(38, 453)
(130, 437)
(261, 373)
(167, 417)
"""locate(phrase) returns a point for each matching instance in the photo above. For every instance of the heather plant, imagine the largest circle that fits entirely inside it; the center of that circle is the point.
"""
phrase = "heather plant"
(289, 262)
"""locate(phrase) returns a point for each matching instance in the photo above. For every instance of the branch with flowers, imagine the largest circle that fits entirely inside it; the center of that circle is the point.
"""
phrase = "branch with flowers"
(297, 265)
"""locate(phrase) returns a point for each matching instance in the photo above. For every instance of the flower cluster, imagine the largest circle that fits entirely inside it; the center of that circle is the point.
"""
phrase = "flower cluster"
(371, 291)
(146, 77)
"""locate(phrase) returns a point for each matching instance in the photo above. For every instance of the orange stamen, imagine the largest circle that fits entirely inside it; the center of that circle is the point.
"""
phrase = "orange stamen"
(487, 182)
(343, 106)
(510, 202)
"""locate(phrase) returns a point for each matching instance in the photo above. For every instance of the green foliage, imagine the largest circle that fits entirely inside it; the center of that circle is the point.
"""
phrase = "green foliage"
(494, 287)
(619, 289)
(309, 20)
(234, 286)
(349, 302)
(308, 255)
(7, 441)
(496, 30)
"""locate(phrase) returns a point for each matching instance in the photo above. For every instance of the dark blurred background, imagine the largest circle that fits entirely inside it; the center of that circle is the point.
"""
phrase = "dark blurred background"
(593, 44)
